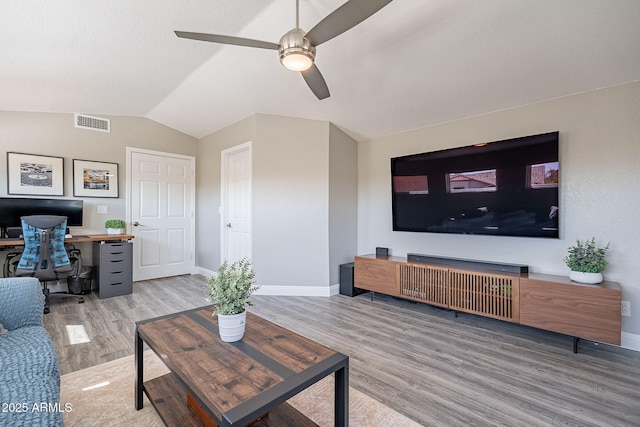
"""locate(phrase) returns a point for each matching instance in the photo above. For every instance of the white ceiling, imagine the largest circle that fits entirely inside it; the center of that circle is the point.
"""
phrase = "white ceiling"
(414, 63)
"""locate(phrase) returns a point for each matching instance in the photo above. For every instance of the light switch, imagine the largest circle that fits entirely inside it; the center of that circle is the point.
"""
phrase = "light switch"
(102, 209)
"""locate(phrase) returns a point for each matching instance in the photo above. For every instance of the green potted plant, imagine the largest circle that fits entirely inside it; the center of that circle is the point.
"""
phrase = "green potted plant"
(229, 289)
(115, 226)
(587, 261)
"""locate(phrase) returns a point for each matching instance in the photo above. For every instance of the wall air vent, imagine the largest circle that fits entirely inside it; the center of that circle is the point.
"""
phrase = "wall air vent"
(83, 121)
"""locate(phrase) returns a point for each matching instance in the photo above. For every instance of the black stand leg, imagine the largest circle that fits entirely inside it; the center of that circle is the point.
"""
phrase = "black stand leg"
(575, 344)
(342, 397)
(139, 370)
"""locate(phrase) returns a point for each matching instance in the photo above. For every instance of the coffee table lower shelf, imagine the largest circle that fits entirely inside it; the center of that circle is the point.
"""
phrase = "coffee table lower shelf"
(169, 398)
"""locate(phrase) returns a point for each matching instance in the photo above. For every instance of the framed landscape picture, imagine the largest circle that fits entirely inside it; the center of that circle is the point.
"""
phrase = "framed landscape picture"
(35, 175)
(95, 179)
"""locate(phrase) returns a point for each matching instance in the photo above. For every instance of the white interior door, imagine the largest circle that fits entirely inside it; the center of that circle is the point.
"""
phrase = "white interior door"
(236, 203)
(161, 206)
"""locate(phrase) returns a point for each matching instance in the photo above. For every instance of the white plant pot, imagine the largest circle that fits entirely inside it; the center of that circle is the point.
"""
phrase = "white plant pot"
(231, 326)
(586, 278)
(115, 230)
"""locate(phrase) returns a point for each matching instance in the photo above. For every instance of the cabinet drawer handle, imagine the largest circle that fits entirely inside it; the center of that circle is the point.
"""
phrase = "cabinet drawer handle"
(117, 260)
(117, 272)
(115, 284)
(117, 253)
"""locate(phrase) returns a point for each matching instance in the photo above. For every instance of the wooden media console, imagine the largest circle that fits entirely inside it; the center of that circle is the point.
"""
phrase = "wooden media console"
(549, 302)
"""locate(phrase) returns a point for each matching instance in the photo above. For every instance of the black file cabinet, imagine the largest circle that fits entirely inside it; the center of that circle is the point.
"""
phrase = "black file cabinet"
(114, 268)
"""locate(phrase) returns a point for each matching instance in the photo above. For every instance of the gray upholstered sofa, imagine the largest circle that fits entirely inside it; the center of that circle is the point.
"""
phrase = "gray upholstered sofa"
(29, 374)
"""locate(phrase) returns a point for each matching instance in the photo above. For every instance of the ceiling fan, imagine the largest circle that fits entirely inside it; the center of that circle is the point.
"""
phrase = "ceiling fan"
(297, 48)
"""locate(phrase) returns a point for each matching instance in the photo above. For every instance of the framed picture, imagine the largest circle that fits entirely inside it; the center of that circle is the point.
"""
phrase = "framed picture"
(95, 179)
(33, 174)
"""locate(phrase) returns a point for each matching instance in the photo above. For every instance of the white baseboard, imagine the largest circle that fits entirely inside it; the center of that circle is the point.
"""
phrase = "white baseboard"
(299, 291)
(631, 341)
(204, 271)
(290, 291)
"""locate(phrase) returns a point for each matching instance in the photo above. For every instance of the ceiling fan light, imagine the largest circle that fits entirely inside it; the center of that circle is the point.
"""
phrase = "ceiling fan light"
(296, 61)
(296, 53)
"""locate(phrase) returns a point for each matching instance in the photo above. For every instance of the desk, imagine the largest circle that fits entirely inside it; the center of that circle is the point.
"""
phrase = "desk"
(112, 259)
(16, 241)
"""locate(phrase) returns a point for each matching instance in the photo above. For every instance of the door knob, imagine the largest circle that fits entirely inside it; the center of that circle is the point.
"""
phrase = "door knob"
(229, 225)
(136, 223)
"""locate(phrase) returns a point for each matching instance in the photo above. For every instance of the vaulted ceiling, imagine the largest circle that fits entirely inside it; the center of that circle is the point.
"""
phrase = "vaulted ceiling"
(414, 63)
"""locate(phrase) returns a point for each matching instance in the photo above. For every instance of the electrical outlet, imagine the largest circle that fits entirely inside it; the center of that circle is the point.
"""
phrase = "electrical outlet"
(625, 308)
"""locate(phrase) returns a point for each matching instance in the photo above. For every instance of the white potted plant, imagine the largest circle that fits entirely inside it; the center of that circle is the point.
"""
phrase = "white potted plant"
(115, 226)
(587, 261)
(229, 289)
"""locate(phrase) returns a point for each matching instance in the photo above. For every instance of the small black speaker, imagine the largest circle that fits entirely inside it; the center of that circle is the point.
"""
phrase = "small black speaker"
(346, 281)
(382, 251)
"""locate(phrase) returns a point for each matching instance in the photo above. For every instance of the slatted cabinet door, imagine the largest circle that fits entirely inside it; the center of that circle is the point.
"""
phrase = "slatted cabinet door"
(489, 295)
(422, 283)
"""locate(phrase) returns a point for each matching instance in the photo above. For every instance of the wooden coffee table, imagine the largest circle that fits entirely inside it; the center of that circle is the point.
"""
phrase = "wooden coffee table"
(233, 384)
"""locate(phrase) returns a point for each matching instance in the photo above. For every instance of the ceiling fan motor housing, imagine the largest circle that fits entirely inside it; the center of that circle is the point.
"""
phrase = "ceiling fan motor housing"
(296, 52)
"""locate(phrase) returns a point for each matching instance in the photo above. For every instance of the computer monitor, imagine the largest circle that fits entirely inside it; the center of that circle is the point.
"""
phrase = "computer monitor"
(12, 208)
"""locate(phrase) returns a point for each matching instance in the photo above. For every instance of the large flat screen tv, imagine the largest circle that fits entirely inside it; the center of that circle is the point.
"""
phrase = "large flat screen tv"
(12, 208)
(506, 188)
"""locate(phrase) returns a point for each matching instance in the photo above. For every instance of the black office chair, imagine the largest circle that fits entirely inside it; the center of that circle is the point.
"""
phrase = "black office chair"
(45, 256)
(13, 256)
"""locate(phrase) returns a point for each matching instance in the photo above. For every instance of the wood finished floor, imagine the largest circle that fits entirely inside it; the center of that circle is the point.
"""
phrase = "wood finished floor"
(435, 368)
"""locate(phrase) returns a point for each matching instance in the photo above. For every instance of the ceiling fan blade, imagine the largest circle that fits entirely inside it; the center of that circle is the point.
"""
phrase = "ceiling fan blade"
(238, 41)
(316, 82)
(343, 18)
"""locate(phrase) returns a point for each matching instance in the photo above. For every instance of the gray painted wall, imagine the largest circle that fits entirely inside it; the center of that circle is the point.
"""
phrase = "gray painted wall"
(304, 199)
(290, 201)
(53, 134)
(208, 170)
(599, 157)
(343, 201)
